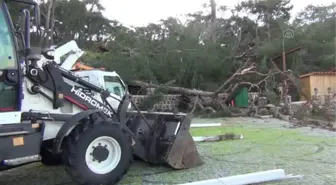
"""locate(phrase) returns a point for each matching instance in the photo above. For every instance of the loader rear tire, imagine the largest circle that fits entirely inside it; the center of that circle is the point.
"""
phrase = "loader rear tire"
(98, 154)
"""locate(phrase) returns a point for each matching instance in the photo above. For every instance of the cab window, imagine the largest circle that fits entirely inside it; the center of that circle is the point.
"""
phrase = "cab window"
(114, 85)
(8, 98)
(7, 48)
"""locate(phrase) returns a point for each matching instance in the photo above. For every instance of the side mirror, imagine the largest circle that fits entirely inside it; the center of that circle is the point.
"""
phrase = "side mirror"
(49, 54)
(33, 54)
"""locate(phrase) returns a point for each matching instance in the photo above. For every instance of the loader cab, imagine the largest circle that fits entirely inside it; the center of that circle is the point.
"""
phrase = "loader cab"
(108, 80)
(105, 79)
(114, 85)
(9, 64)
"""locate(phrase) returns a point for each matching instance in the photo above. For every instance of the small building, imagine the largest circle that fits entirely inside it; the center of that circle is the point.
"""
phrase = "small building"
(319, 83)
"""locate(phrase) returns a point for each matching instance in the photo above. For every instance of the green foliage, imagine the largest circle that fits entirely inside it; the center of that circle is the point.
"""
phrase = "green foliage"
(199, 53)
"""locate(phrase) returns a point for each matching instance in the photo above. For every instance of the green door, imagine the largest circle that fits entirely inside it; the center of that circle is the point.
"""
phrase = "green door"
(241, 100)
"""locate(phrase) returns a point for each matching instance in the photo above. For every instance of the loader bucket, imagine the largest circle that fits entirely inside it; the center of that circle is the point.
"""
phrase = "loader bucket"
(164, 138)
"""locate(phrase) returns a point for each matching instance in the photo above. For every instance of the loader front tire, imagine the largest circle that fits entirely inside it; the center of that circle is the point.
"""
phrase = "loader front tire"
(98, 154)
(48, 158)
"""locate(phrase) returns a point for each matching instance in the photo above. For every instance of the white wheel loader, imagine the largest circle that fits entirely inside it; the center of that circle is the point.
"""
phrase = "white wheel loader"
(48, 111)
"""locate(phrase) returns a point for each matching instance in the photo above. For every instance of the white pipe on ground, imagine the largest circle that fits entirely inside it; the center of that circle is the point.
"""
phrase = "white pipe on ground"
(202, 125)
(258, 177)
(216, 138)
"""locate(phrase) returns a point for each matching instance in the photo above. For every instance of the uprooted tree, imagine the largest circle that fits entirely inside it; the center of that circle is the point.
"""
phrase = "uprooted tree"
(246, 75)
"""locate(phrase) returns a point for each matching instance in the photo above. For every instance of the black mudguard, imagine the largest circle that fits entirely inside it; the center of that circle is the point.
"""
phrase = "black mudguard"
(68, 126)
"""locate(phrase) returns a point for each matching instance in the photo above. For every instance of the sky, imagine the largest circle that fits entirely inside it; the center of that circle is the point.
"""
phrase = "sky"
(142, 12)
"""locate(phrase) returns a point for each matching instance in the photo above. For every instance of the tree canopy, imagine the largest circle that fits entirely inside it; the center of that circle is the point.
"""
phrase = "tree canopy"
(203, 51)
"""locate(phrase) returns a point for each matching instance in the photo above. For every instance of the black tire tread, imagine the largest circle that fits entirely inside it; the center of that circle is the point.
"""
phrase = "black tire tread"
(48, 158)
(69, 152)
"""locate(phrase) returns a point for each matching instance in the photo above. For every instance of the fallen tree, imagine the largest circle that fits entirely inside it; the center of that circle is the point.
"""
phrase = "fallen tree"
(211, 101)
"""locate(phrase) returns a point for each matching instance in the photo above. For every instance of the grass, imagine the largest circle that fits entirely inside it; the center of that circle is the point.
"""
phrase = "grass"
(261, 149)
(259, 134)
(290, 149)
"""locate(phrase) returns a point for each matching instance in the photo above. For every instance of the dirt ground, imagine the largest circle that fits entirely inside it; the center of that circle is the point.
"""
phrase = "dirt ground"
(267, 144)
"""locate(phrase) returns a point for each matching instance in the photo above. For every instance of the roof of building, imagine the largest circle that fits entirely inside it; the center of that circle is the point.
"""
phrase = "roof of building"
(328, 73)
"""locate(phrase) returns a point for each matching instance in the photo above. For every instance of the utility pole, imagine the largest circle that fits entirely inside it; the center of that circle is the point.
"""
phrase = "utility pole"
(284, 88)
(286, 34)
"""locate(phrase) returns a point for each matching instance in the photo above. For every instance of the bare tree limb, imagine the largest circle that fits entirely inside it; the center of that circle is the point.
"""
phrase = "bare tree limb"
(195, 103)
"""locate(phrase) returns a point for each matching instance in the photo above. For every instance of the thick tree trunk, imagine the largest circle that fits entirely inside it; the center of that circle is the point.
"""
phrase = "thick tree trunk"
(52, 23)
(213, 19)
(46, 37)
